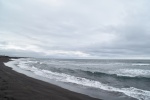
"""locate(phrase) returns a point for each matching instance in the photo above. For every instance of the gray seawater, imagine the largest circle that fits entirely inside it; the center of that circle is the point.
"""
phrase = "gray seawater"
(104, 79)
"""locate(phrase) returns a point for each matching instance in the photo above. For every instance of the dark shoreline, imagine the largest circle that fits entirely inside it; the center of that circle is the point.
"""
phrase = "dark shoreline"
(16, 86)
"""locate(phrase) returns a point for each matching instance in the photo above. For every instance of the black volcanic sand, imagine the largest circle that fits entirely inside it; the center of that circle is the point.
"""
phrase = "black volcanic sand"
(16, 86)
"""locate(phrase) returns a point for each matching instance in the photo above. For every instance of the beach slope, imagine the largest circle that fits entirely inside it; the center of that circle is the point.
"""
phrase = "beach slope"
(16, 86)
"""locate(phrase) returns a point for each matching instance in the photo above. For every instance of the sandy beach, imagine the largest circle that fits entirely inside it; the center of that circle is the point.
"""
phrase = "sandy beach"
(16, 86)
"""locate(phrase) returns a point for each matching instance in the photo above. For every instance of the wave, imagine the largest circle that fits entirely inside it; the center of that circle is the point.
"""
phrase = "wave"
(142, 64)
(95, 73)
(132, 92)
(131, 73)
(128, 73)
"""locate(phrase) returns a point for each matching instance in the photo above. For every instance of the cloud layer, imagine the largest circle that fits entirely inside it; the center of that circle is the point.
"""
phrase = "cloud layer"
(75, 29)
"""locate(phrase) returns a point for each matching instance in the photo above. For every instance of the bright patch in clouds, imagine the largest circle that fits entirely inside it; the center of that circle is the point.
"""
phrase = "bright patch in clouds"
(32, 48)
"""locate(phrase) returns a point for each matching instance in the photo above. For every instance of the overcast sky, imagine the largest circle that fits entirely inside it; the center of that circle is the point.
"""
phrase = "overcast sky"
(75, 28)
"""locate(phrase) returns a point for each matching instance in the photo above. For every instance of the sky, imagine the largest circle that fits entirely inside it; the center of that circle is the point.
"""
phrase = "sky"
(75, 28)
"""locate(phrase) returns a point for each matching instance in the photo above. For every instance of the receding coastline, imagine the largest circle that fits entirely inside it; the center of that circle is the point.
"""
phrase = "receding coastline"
(16, 86)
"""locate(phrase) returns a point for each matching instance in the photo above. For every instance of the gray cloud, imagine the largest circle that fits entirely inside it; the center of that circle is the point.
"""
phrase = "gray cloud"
(72, 29)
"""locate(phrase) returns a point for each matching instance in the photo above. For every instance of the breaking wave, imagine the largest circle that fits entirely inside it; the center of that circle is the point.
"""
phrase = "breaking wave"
(132, 73)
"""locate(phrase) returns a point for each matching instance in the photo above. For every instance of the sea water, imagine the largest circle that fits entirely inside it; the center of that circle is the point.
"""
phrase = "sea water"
(99, 78)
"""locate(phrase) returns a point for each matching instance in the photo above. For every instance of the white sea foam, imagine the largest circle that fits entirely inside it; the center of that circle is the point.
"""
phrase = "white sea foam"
(131, 72)
(140, 64)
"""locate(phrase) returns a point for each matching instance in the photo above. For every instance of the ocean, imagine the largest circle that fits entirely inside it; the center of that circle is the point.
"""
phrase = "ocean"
(100, 78)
